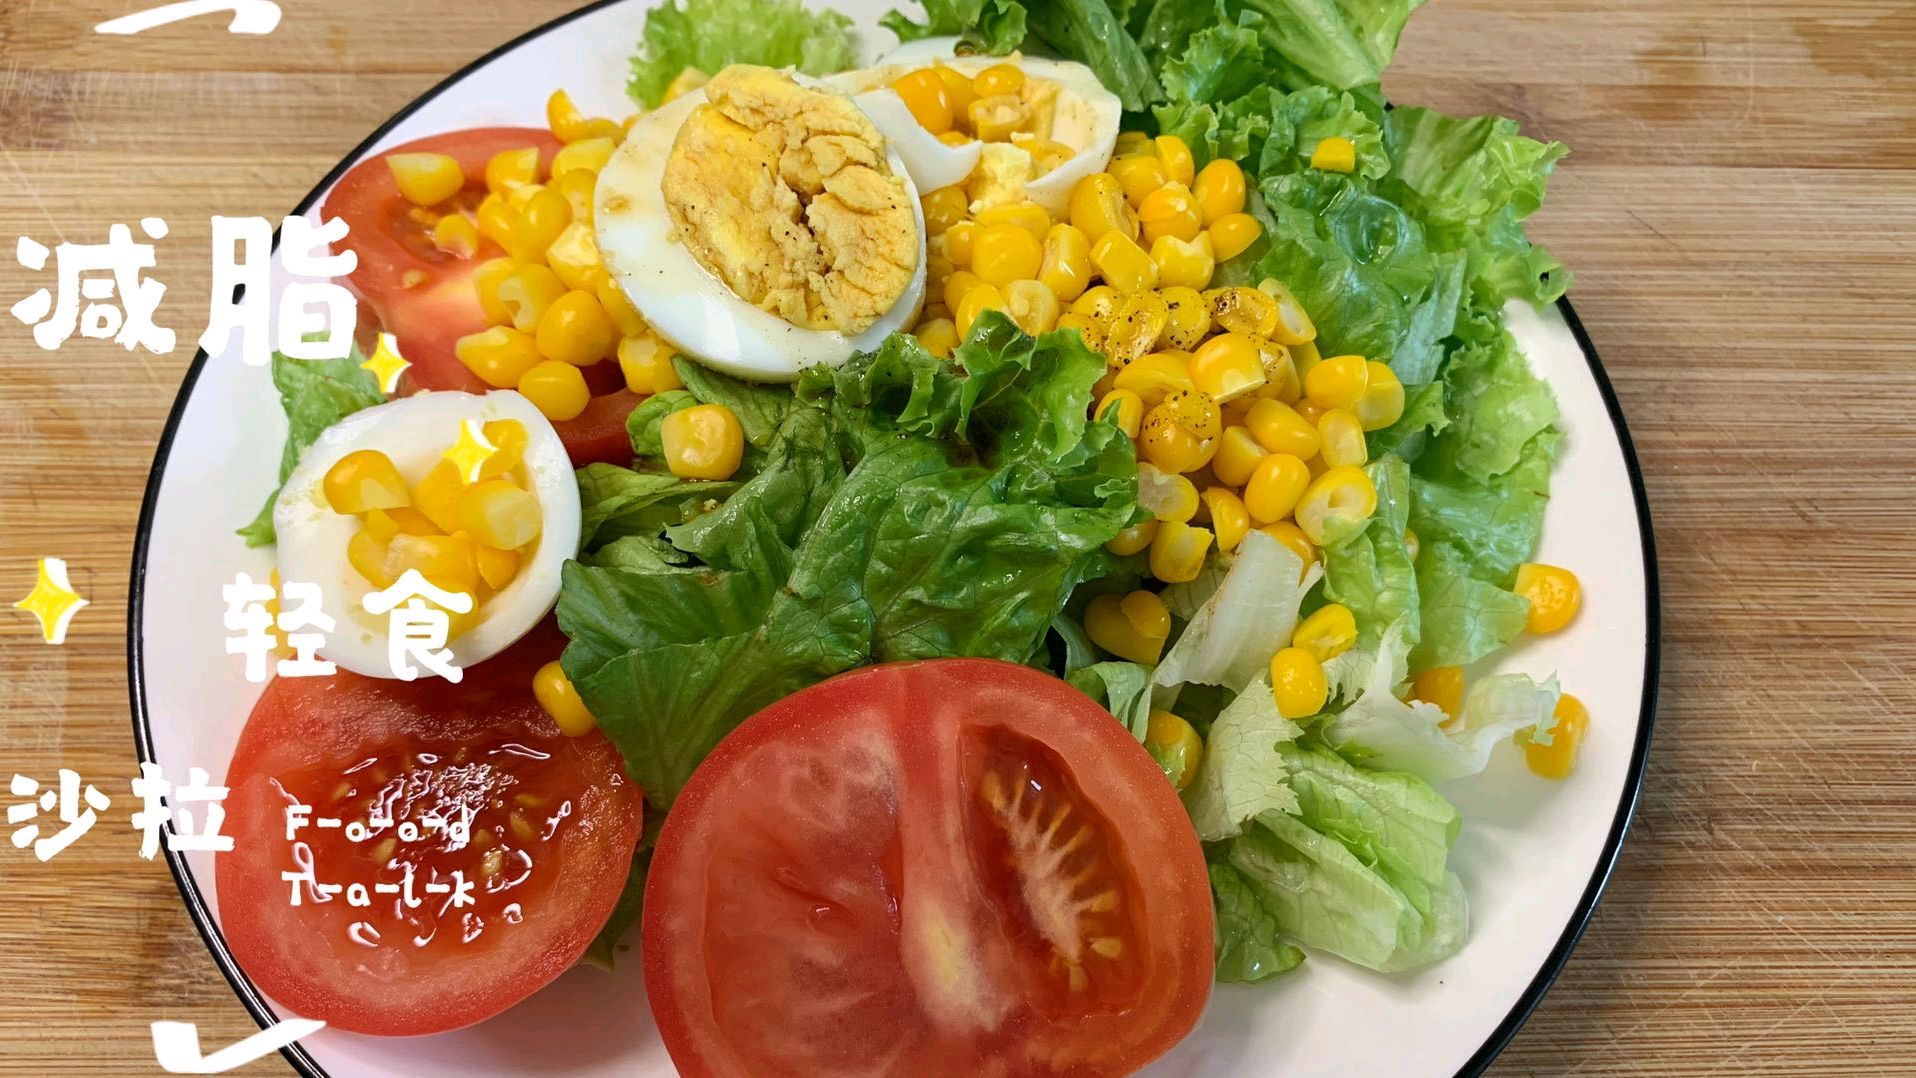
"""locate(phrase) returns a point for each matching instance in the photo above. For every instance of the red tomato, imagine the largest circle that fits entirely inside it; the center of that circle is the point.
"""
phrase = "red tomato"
(961, 867)
(553, 823)
(425, 297)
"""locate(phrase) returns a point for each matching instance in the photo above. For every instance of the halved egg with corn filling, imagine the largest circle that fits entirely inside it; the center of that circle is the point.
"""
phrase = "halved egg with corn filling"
(473, 491)
(1008, 128)
(761, 225)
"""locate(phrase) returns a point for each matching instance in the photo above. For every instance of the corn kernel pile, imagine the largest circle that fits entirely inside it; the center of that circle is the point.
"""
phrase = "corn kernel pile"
(999, 104)
(463, 537)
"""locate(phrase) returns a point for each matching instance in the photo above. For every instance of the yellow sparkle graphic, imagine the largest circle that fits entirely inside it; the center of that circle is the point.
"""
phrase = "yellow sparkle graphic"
(471, 451)
(52, 602)
(386, 364)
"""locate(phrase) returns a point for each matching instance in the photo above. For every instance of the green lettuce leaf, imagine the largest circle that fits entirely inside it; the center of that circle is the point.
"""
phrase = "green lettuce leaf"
(1461, 617)
(709, 34)
(1242, 773)
(905, 508)
(1370, 571)
(1342, 44)
(316, 393)
(1249, 948)
(1090, 32)
(992, 27)
(1124, 689)
(1231, 637)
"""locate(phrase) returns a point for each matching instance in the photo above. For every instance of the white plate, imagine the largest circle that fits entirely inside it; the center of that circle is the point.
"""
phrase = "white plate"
(1534, 855)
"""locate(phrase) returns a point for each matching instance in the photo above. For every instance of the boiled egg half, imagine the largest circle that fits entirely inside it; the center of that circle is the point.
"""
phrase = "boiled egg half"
(473, 491)
(762, 225)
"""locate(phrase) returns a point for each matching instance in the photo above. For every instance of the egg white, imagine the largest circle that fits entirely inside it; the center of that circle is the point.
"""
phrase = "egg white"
(1087, 118)
(415, 432)
(689, 305)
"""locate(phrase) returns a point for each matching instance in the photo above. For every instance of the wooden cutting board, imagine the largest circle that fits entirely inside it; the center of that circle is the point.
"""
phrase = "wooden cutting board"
(1741, 213)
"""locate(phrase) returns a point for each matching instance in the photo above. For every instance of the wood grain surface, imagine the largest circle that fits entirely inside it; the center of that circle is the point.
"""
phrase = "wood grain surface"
(1740, 209)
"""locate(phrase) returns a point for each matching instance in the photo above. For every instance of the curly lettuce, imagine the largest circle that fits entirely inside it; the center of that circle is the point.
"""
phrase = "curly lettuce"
(709, 34)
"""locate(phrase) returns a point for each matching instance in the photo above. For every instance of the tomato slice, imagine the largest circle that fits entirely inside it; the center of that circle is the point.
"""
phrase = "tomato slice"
(425, 297)
(551, 824)
(958, 867)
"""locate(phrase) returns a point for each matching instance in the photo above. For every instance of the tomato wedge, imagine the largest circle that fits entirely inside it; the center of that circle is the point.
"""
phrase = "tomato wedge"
(425, 297)
(958, 867)
(551, 824)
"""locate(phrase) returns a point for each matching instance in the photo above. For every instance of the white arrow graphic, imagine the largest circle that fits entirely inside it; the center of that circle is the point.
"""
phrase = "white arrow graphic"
(177, 1046)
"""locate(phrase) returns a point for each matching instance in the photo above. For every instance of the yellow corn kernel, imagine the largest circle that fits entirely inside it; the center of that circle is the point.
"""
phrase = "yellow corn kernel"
(437, 496)
(496, 567)
(1134, 144)
(1026, 215)
(1557, 759)
(575, 330)
(1170, 210)
(1170, 445)
(961, 240)
(958, 286)
(1343, 439)
(1442, 686)
(1154, 377)
(560, 699)
(939, 336)
(545, 216)
(1176, 155)
(499, 514)
(1328, 632)
(1334, 154)
(1046, 154)
(1132, 627)
(1178, 551)
(1133, 539)
(1292, 536)
(556, 388)
(1555, 596)
(702, 442)
(684, 83)
(925, 95)
(646, 361)
(1123, 264)
(1411, 544)
(959, 91)
(1277, 481)
(500, 356)
(456, 235)
(1383, 401)
(1243, 310)
(1139, 176)
(366, 552)
(496, 220)
(363, 480)
(1136, 327)
(1293, 325)
(955, 137)
(527, 292)
(994, 117)
(1229, 519)
(563, 117)
(1032, 306)
(612, 299)
(1005, 253)
(1280, 429)
(1237, 456)
(1184, 263)
(587, 155)
(386, 523)
(1066, 265)
(1195, 411)
(1126, 408)
(1098, 208)
(979, 299)
(1175, 742)
(944, 208)
(445, 560)
(574, 257)
(522, 194)
(1335, 502)
(1219, 190)
(426, 179)
(508, 438)
(1280, 373)
(1298, 683)
(1005, 78)
(487, 279)
(1088, 329)
(1232, 234)
(1227, 366)
(1308, 411)
(1100, 303)
(509, 170)
(1165, 494)
(1338, 382)
(1189, 317)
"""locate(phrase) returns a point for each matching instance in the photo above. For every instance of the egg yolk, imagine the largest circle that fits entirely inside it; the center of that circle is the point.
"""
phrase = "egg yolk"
(784, 192)
(464, 537)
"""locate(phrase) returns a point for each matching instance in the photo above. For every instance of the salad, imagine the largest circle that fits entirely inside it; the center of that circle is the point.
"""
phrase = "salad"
(962, 552)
